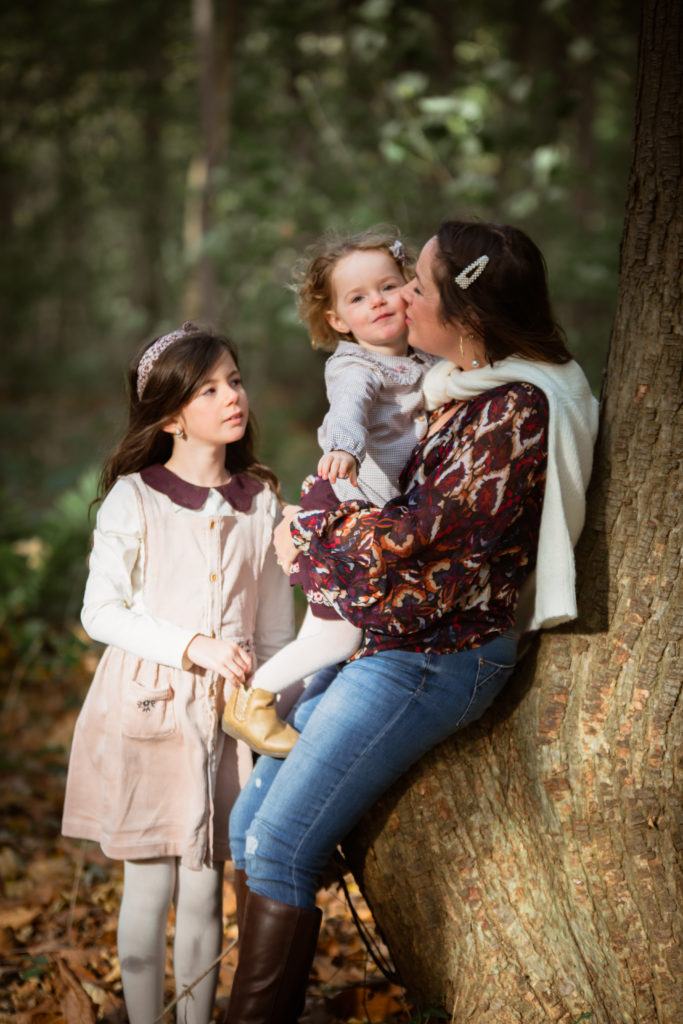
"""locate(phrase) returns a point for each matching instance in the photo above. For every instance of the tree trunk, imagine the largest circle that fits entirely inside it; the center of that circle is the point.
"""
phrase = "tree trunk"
(149, 274)
(216, 37)
(528, 869)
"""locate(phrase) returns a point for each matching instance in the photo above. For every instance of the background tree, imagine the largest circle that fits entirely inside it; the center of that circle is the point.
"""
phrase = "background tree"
(321, 114)
(529, 869)
(300, 118)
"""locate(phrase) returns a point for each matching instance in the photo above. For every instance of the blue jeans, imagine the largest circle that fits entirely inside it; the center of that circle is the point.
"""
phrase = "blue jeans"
(361, 727)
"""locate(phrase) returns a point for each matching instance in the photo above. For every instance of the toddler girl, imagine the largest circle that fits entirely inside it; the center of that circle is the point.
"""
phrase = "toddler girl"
(185, 590)
(350, 299)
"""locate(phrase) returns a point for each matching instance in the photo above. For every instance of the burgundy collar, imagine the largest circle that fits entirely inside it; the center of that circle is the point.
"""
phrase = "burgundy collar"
(239, 490)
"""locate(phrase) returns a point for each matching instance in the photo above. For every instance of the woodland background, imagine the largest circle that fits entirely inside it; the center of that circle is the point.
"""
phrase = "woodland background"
(165, 160)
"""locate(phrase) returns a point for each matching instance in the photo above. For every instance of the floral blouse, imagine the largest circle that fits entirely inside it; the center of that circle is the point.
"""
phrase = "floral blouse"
(439, 568)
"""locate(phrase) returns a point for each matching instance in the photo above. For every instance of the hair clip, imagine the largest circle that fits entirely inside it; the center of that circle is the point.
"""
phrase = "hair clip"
(398, 252)
(471, 272)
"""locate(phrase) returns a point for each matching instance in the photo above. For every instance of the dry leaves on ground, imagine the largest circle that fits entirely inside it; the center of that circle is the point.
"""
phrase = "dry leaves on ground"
(59, 899)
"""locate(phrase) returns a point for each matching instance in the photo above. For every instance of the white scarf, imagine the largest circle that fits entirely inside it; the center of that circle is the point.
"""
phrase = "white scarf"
(549, 595)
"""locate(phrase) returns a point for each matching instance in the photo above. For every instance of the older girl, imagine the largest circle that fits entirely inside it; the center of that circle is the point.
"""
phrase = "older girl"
(185, 590)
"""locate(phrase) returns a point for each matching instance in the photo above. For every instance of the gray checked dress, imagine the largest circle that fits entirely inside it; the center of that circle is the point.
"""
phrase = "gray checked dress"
(376, 413)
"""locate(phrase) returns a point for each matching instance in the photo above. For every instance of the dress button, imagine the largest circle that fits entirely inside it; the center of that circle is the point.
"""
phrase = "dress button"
(213, 635)
(212, 524)
(213, 577)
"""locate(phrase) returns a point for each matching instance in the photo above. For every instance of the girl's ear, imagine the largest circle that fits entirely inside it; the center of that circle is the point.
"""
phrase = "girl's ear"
(172, 426)
(336, 322)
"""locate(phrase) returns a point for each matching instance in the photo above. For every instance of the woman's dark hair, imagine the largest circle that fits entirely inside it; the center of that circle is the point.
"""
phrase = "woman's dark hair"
(173, 380)
(507, 305)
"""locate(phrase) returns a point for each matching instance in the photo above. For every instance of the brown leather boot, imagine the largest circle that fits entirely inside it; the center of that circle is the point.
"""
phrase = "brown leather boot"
(239, 883)
(250, 715)
(277, 946)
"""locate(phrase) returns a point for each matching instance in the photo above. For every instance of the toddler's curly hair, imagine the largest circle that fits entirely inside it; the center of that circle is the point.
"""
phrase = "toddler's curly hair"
(313, 276)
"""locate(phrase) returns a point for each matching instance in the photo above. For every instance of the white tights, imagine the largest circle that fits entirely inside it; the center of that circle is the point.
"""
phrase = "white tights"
(320, 642)
(149, 889)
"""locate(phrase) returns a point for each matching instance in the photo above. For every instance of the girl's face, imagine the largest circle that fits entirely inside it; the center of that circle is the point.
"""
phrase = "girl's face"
(366, 289)
(426, 329)
(219, 411)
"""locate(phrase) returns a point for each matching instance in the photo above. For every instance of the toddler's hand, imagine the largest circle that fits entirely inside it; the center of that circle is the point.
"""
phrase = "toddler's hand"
(222, 656)
(337, 464)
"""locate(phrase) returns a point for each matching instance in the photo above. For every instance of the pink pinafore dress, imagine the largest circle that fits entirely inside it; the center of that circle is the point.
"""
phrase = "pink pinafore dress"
(151, 774)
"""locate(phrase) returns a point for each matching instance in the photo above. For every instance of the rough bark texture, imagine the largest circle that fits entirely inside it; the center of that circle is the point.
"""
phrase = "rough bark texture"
(529, 868)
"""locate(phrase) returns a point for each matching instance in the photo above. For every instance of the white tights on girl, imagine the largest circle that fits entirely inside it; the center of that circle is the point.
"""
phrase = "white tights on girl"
(149, 889)
(320, 642)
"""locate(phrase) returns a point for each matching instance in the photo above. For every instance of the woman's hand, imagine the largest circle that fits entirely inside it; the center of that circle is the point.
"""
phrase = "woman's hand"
(338, 464)
(222, 656)
(282, 539)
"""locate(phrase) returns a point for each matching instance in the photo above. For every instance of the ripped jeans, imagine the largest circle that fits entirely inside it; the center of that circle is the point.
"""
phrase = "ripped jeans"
(361, 727)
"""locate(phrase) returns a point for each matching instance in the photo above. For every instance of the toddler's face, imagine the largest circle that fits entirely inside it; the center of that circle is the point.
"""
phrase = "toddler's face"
(368, 304)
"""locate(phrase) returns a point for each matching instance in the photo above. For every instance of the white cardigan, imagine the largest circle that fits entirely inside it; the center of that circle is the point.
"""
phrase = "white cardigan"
(549, 596)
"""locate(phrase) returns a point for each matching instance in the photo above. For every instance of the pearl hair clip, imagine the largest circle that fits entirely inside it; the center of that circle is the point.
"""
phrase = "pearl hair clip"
(398, 252)
(471, 272)
(154, 351)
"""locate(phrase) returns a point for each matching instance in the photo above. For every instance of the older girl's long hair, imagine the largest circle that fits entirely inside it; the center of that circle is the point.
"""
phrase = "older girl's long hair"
(508, 304)
(172, 382)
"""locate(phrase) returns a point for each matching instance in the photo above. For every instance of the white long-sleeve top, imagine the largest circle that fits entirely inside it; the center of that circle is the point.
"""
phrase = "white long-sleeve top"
(114, 611)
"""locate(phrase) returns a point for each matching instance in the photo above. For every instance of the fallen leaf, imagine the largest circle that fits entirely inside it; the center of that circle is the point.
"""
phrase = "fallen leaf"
(365, 1004)
(18, 917)
(73, 999)
(95, 993)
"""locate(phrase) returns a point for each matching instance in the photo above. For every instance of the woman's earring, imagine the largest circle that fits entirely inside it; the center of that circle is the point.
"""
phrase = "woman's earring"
(475, 362)
(462, 350)
(180, 433)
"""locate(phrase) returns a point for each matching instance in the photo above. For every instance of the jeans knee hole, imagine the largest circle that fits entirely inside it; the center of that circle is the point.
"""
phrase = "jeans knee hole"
(251, 846)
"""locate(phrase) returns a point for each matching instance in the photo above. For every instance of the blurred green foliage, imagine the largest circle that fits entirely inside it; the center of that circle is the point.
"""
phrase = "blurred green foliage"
(326, 114)
(42, 574)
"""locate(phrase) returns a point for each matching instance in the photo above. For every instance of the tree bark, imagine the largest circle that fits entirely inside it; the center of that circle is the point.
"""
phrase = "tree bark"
(528, 869)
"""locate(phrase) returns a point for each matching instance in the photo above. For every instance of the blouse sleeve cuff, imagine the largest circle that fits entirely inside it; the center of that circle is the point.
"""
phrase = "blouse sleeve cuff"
(307, 525)
(346, 443)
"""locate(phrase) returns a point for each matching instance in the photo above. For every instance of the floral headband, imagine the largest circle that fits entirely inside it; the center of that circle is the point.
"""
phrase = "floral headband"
(471, 272)
(151, 355)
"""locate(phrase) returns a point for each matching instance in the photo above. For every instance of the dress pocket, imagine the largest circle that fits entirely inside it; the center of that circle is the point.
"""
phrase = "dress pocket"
(147, 712)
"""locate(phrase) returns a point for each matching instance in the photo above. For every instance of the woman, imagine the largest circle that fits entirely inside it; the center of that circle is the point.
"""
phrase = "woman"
(438, 579)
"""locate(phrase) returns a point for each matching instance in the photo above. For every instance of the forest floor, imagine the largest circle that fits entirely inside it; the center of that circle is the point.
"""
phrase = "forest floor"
(59, 898)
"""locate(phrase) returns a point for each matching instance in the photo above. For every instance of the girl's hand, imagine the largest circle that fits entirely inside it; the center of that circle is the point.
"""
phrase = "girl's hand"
(282, 539)
(222, 656)
(337, 464)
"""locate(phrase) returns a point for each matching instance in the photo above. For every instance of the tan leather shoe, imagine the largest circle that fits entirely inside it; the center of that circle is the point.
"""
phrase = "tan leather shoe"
(250, 715)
